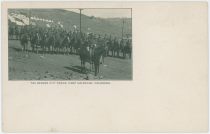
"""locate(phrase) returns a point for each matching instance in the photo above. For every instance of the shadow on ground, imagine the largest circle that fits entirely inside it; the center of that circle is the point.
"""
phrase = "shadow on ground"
(75, 69)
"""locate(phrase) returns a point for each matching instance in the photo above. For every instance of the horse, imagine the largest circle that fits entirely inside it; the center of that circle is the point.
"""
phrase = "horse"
(112, 48)
(43, 42)
(93, 55)
(51, 43)
(104, 44)
(123, 48)
(66, 43)
(99, 53)
(127, 49)
(72, 41)
(116, 48)
(77, 45)
(24, 41)
(11, 32)
(58, 42)
(17, 33)
(85, 54)
(35, 41)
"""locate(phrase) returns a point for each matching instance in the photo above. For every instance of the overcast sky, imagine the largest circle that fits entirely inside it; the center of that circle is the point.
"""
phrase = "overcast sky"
(105, 13)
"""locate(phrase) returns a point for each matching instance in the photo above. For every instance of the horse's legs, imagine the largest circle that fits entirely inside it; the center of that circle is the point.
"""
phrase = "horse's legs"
(96, 65)
(47, 49)
(32, 47)
(95, 70)
(43, 50)
(54, 50)
(51, 50)
(37, 50)
(82, 66)
(118, 53)
(100, 59)
(92, 66)
(98, 69)
(71, 49)
(66, 50)
(123, 54)
(26, 50)
(24, 47)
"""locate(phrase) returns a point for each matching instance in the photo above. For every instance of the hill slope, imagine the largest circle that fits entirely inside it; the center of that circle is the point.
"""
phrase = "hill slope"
(102, 26)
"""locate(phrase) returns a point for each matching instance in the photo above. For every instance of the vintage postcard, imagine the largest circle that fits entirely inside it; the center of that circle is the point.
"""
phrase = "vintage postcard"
(105, 66)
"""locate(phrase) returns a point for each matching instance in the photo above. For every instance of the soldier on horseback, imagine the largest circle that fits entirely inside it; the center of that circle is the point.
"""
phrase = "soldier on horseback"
(24, 38)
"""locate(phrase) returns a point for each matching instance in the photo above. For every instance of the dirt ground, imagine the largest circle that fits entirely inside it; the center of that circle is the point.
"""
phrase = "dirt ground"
(31, 66)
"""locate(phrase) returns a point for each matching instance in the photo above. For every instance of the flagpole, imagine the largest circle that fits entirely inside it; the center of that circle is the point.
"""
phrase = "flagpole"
(80, 21)
(29, 19)
(123, 28)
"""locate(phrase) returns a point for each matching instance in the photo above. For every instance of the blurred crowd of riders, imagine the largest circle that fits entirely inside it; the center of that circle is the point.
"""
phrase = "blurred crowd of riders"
(55, 40)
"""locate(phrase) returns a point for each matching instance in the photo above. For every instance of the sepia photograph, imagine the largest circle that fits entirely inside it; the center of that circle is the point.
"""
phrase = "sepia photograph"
(70, 44)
